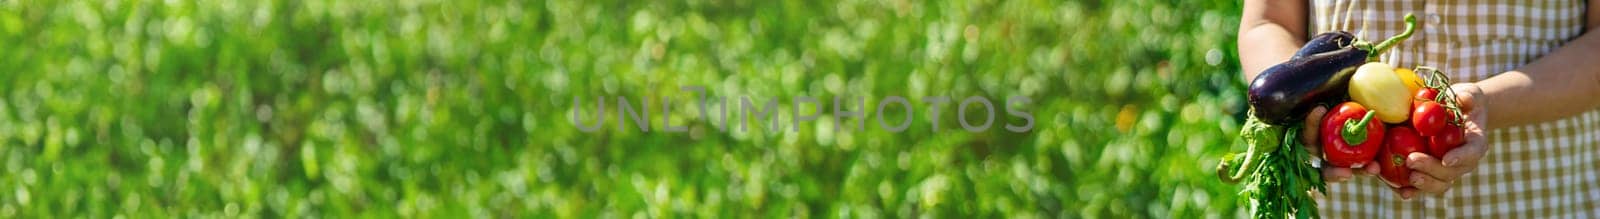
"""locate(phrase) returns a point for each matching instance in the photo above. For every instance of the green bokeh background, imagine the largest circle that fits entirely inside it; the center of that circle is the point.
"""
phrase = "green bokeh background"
(460, 108)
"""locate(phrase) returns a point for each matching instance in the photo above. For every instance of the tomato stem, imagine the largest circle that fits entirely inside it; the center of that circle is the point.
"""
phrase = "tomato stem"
(1446, 96)
(1355, 132)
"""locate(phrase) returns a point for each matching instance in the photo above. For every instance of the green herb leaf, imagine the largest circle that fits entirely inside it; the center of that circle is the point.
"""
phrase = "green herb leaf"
(1283, 183)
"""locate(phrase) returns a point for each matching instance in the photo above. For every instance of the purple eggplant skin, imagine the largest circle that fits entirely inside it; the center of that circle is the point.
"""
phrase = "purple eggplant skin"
(1326, 42)
(1284, 93)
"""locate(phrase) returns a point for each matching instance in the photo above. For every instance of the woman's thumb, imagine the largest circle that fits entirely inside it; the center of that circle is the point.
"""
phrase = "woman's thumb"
(1308, 135)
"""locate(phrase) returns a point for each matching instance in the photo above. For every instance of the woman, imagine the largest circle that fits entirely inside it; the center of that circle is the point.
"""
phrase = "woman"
(1527, 71)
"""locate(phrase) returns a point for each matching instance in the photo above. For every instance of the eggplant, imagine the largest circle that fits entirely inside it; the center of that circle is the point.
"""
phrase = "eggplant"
(1286, 90)
(1319, 73)
(1326, 42)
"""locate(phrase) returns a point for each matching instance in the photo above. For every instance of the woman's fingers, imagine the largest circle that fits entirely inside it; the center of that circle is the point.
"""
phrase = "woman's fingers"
(1477, 144)
(1336, 174)
(1466, 95)
(1308, 135)
(1405, 193)
(1467, 156)
(1431, 166)
(1429, 184)
(1371, 169)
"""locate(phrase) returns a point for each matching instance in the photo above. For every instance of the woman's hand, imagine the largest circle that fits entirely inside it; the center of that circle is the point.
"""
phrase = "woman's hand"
(1432, 176)
(1330, 173)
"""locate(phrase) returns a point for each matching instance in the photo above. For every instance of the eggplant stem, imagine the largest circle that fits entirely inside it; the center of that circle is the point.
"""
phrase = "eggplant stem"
(1411, 27)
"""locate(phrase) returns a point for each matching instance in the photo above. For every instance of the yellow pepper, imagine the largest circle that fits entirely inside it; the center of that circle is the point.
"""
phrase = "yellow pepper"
(1409, 78)
(1377, 86)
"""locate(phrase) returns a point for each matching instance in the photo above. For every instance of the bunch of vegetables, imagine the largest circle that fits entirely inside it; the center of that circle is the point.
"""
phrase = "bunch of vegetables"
(1428, 120)
(1381, 115)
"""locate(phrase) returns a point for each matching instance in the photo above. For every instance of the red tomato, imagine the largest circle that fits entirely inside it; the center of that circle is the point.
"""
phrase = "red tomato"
(1351, 135)
(1447, 139)
(1429, 117)
(1400, 142)
(1425, 94)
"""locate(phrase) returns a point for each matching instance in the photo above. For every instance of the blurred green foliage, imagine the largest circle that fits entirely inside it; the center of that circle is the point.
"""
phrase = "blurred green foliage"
(460, 108)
